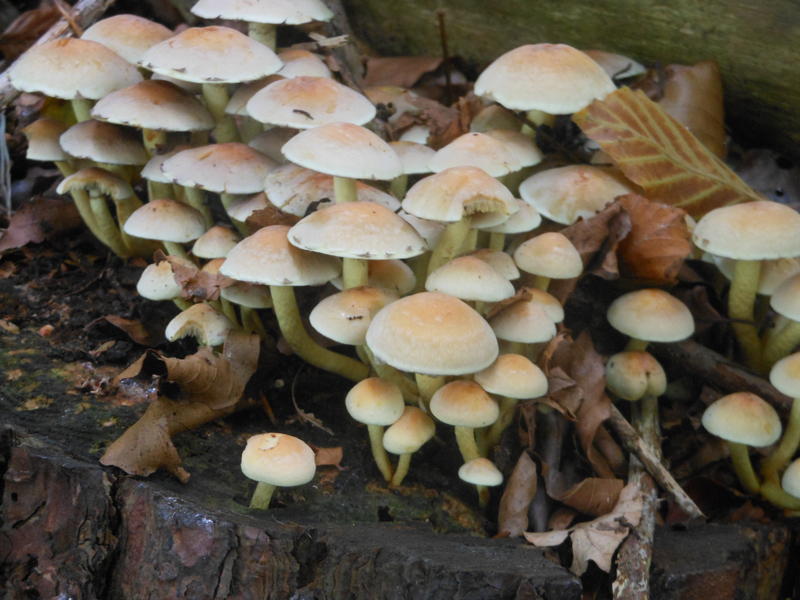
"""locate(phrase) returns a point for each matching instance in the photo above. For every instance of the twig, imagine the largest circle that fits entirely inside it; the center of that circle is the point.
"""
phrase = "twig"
(84, 13)
(634, 443)
(66, 14)
(448, 85)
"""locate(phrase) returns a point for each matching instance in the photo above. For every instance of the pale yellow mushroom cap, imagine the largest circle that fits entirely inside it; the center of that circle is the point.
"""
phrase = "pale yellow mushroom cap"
(43, 144)
(231, 168)
(166, 220)
(743, 418)
(549, 254)
(375, 401)
(476, 150)
(524, 322)
(104, 143)
(651, 315)
(470, 278)
(499, 261)
(157, 281)
(480, 471)
(634, 375)
(302, 63)
(345, 316)
(513, 376)
(791, 479)
(410, 432)
(130, 36)
(278, 12)
(464, 404)
(785, 299)
(201, 322)
(278, 459)
(785, 375)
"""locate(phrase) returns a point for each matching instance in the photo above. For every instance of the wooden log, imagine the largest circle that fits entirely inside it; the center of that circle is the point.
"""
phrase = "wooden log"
(754, 43)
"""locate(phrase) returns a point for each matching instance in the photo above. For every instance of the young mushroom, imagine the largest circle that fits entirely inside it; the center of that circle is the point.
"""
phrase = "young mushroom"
(276, 460)
(405, 436)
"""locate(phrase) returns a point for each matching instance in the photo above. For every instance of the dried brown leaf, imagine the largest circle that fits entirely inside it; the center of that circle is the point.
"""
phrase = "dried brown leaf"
(40, 219)
(659, 154)
(518, 494)
(135, 329)
(28, 27)
(269, 215)
(593, 496)
(328, 457)
(197, 285)
(402, 71)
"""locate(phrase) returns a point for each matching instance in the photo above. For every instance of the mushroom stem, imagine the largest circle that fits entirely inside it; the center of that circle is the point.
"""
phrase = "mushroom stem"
(781, 344)
(740, 456)
(403, 464)
(252, 322)
(497, 241)
(398, 186)
(470, 242)
(427, 386)
(449, 244)
(82, 108)
(106, 225)
(344, 189)
(389, 373)
(175, 249)
(154, 141)
(378, 451)
(741, 300)
(230, 311)
(465, 438)
(635, 345)
(227, 200)
(125, 207)
(262, 496)
(295, 334)
(158, 189)
(216, 97)
(540, 282)
(419, 266)
(355, 272)
(774, 493)
(181, 303)
(249, 128)
(780, 456)
(197, 200)
(496, 429)
(264, 33)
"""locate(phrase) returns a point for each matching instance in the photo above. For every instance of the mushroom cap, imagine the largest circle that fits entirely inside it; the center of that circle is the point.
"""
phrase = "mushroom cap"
(268, 258)
(520, 145)
(375, 401)
(231, 168)
(278, 459)
(495, 116)
(237, 105)
(104, 143)
(302, 63)
(95, 179)
(463, 403)
(785, 375)
(410, 432)
(241, 208)
(357, 230)
(127, 35)
(202, 322)
(166, 220)
(154, 104)
(70, 68)
(549, 254)
(499, 261)
(554, 78)
(791, 479)
(157, 281)
(393, 275)
(248, 295)
(270, 142)
(453, 193)
(470, 278)
(785, 299)
(513, 376)
(524, 322)
(216, 242)
(476, 150)
(344, 150)
(651, 315)
(152, 169)
(743, 418)
(431, 231)
(345, 316)
(566, 194)
(750, 231)
(418, 134)
(634, 375)
(616, 66)
(306, 102)
(525, 219)
(432, 333)
(771, 274)
(480, 471)
(43, 144)
(414, 157)
(277, 12)
(211, 55)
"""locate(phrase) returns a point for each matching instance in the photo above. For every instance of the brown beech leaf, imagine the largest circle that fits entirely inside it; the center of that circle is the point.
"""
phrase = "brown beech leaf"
(593, 496)
(134, 328)
(38, 220)
(402, 71)
(28, 27)
(597, 540)
(659, 154)
(146, 446)
(658, 242)
(518, 494)
(328, 457)
(446, 123)
(270, 215)
(197, 285)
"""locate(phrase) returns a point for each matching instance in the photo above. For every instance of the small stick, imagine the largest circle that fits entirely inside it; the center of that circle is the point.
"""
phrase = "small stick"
(448, 84)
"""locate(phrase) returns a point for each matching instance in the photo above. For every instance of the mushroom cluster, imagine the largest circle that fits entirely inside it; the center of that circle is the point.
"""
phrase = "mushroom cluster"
(442, 286)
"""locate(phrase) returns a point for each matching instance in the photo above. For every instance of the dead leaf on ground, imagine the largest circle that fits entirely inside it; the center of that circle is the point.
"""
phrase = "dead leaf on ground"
(446, 123)
(659, 154)
(593, 496)
(38, 220)
(269, 215)
(518, 494)
(402, 71)
(196, 285)
(328, 457)
(597, 540)
(28, 27)
(135, 329)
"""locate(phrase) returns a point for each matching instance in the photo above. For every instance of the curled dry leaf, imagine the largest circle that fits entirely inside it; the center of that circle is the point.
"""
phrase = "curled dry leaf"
(196, 285)
(659, 154)
(402, 71)
(269, 215)
(328, 457)
(446, 123)
(135, 329)
(211, 390)
(518, 494)
(593, 496)
(38, 220)
(597, 540)
(23, 31)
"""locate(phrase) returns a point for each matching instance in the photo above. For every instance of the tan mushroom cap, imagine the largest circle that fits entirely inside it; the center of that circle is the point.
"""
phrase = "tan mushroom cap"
(278, 459)
(785, 299)
(499, 261)
(547, 302)
(211, 55)
(237, 105)
(302, 63)
(270, 142)
(345, 316)
(464, 403)
(216, 242)
(431, 231)
(418, 134)
(166, 220)
(43, 144)
(306, 102)
(127, 35)
(523, 322)
(476, 150)
(278, 12)
(398, 101)
(453, 193)
(750, 231)
(410, 432)
(202, 322)
(157, 281)
(785, 375)
(344, 150)
(554, 78)
(231, 168)
(158, 105)
(525, 219)
(743, 418)
(470, 278)
(513, 376)
(70, 68)
(414, 157)
(96, 180)
(616, 66)
(480, 471)
(566, 194)
(432, 333)
(213, 266)
(104, 143)
(293, 189)
(790, 481)
(393, 275)
(549, 254)
(268, 258)
(249, 295)
(357, 230)
(651, 315)
(634, 375)
(152, 169)
(521, 146)
(241, 208)
(375, 401)
(495, 116)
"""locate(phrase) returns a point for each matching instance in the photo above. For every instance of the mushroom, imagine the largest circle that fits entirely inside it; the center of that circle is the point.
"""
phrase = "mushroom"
(405, 436)
(276, 460)
(548, 256)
